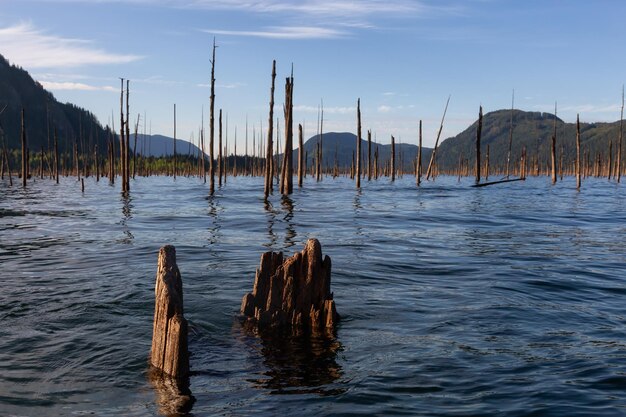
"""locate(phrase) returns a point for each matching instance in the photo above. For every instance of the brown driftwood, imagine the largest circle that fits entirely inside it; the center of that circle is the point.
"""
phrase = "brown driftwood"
(293, 292)
(169, 338)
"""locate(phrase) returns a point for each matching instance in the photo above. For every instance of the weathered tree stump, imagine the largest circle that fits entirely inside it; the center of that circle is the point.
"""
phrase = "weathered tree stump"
(169, 337)
(293, 292)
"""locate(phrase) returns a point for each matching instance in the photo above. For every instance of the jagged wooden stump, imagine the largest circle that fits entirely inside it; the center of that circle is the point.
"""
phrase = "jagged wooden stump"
(293, 292)
(169, 336)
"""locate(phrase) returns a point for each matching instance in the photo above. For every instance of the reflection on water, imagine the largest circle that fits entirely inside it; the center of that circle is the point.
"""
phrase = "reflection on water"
(271, 220)
(127, 214)
(173, 396)
(213, 212)
(290, 232)
(297, 364)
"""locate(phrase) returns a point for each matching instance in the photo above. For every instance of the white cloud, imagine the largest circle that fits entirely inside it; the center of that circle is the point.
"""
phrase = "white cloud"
(26, 46)
(384, 109)
(55, 86)
(288, 32)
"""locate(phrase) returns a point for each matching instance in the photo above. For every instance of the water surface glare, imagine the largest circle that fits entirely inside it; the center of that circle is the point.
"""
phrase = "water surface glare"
(507, 300)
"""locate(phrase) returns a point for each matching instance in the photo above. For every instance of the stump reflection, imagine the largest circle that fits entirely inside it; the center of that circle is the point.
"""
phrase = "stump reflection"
(173, 396)
(297, 363)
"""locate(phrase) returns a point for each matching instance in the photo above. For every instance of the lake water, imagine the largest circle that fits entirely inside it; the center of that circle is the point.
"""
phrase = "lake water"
(507, 300)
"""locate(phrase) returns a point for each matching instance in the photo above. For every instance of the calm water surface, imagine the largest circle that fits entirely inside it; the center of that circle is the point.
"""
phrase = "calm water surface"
(507, 300)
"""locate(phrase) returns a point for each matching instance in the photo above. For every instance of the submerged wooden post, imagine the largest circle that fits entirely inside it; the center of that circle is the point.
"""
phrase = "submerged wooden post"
(169, 335)
(293, 292)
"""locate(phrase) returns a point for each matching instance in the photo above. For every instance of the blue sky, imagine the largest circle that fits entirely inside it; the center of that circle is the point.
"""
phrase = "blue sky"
(401, 57)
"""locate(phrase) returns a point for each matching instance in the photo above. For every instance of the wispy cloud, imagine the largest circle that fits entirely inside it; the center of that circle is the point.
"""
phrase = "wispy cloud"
(56, 86)
(29, 47)
(327, 110)
(289, 32)
(384, 109)
(325, 8)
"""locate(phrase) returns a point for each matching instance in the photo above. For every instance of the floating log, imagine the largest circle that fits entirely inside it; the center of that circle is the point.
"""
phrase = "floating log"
(484, 184)
(169, 337)
(293, 292)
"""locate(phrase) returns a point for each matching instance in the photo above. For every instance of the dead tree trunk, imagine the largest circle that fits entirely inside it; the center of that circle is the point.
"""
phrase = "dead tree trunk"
(56, 155)
(24, 156)
(478, 135)
(169, 336)
(419, 158)
(220, 166)
(393, 159)
(174, 161)
(358, 144)
(127, 144)
(508, 155)
(610, 167)
(286, 184)
(122, 140)
(578, 173)
(487, 165)
(619, 143)
(434, 153)
(134, 146)
(301, 168)
(212, 124)
(270, 132)
(553, 150)
(369, 155)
